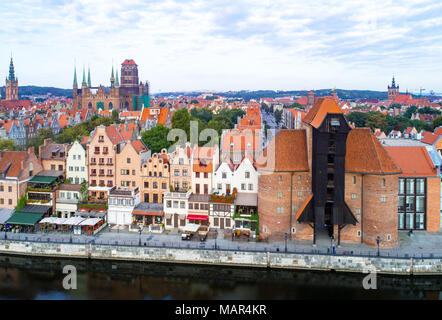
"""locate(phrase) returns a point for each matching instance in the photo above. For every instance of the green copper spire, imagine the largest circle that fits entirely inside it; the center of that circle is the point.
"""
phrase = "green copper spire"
(112, 75)
(11, 71)
(75, 77)
(117, 83)
(84, 78)
(89, 77)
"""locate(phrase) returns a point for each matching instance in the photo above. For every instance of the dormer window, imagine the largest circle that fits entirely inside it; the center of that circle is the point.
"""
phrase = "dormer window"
(101, 138)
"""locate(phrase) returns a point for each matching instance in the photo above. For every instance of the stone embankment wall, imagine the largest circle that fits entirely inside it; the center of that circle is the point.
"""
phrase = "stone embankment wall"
(405, 266)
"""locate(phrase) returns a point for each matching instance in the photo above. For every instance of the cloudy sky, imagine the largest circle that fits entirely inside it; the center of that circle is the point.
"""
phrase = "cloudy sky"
(227, 44)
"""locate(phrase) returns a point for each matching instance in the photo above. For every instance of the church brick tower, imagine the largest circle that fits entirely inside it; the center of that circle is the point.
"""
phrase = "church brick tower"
(393, 90)
(11, 84)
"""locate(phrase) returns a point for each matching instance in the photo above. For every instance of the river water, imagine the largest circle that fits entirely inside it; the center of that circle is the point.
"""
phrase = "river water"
(42, 278)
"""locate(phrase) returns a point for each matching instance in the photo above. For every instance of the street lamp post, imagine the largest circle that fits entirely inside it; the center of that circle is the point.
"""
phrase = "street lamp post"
(139, 237)
(216, 236)
(286, 236)
(378, 240)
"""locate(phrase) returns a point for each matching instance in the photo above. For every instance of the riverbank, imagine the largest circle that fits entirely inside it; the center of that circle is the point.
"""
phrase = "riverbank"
(322, 262)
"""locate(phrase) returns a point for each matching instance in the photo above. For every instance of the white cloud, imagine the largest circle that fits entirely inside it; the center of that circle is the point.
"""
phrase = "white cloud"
(226, 44)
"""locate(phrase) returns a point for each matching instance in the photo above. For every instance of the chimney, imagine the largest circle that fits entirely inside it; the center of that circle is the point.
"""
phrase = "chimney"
(31, 150)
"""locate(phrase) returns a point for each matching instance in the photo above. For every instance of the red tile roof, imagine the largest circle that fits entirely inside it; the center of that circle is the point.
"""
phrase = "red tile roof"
(139, 146)
(430, 138)
(365, 154)
(286, 152)
(319, 111)
(129, 61)
(414, 161)
(113, 134)
(10, 163)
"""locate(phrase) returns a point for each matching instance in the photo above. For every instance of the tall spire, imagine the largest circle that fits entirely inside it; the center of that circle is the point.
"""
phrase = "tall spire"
(112, 78)
(89, 77)
(117, 82)
(11, 71)
(75, 76)
(84, 78)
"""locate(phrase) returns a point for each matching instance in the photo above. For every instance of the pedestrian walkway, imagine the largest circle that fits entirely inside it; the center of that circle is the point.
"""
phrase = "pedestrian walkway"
(419, 244)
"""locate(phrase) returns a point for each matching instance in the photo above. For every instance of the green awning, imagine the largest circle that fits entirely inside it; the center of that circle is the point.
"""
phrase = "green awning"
(24, 218)
(43, 179)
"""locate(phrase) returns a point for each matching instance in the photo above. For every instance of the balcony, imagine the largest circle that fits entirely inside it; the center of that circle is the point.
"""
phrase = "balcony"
(64, 200)
(93, 174)
(109, 175)
(105, 152)
(96, 152)
(109, 164)
(101, 174)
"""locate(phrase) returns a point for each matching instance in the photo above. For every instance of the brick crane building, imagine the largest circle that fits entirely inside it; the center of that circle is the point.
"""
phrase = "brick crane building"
(327, 179)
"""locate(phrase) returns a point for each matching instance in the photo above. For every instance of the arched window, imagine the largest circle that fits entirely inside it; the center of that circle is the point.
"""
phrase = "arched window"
(89, 105)
(111, 106)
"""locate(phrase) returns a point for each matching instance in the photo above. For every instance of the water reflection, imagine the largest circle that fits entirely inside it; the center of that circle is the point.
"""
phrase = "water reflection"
(38, 278)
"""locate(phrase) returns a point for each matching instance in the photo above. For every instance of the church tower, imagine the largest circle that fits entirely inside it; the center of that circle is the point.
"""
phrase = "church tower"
(11, 84)
(393, 90)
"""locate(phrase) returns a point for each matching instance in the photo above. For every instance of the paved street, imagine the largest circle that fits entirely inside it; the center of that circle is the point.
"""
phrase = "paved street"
(418, 245)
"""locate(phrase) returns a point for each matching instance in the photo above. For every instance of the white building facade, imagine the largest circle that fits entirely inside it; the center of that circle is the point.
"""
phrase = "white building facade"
(76, 164)
(121, 203)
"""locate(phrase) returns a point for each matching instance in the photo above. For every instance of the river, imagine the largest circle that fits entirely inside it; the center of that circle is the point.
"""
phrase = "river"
(41, 278)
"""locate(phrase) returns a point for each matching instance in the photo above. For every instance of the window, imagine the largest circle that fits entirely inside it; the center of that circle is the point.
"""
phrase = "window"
(163, 185)
(412, 204)
(243, 186)
(176, 172)
(71, 168)
(146, 184)
(279, 195)
(220, 186)
(197, 174)
(181, 161)
(383, 199)
(383, 182)
(155, 185)
(9, 188)
(247, 174)
(354, 179)
(182, 205)
(250, 187)
(280, 179)
(206, 175)
(353, 196)
(299, 194)
(280, 210)
(184, 172)
(128, 160)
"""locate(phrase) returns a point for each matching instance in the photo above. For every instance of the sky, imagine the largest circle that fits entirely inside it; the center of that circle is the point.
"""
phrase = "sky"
(221, 45)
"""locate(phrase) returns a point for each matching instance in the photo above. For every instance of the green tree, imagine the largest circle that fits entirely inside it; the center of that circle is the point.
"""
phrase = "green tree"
(410, 111)
(377, 120)
(181, 120)
(278, 115)
(115, 117)
(420, 124)
(202, 113)
(156, 138)
(21, 203)
(7, 144)
(358, 118)
(437, 122)
(296, 105)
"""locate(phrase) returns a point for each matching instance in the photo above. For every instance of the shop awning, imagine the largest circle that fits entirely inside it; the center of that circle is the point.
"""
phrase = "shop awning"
(147, 213)
(24, 218)
(197, 217)
(43, 179)
(90, 222)
(191, 227)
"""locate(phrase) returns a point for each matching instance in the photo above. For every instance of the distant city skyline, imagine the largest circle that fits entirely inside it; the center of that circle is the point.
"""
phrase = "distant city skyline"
(225, 45)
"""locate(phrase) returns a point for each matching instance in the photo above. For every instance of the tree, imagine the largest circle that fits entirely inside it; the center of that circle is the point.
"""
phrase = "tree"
(437, 122)
(202, 113)
(410, 111)
(7, 144)
(115, 116)
(278, 116)
(193, 101)
(181, 120)
(377, 120)
(420, 124)
(358, 118)
(396, 106)
(21, 203)
(156, 138)
(296, 105)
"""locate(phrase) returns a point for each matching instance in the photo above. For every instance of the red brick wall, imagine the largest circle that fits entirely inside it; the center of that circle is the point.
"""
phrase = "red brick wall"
(379, 218)
(350, 233)
(277, 224)
(433, 204)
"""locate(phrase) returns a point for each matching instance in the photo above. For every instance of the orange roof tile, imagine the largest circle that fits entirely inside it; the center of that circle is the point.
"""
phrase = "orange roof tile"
(139, 146)
(414, 161)
(319, 111)
(365, 154)
(286, 152)
(430, 138)
(10, 163)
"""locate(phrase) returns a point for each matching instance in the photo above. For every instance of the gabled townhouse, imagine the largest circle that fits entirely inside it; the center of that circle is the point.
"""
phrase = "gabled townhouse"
(239, 143)
(410, 133)
(76, 164)
(17, 132)
(102, 148)
(128, 164)
(205, 161)
(181, 169)
(155, 177)
(16, 168)
(176, 206)
(53, 155)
